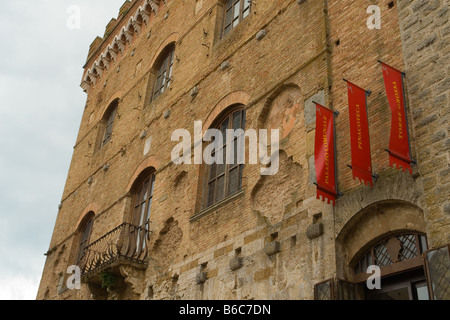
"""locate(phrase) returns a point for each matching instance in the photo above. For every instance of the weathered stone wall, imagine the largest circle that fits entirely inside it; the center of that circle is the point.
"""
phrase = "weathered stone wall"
(425, 31)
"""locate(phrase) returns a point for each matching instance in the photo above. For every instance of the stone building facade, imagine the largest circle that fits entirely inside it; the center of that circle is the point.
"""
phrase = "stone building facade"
(140, 226)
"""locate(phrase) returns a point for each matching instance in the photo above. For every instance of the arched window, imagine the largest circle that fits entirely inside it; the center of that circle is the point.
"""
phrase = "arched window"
(224, 179)
(108, 123)
(401, 264)
(84, 234)
(235, 11)
(163, 69)
(393, 250)
(143, 198)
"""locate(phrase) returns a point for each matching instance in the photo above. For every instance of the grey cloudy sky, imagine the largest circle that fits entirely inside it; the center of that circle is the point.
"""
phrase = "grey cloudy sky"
(41, 105)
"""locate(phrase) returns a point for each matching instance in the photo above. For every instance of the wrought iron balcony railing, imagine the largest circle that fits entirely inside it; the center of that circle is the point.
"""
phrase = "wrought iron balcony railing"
(125, 244)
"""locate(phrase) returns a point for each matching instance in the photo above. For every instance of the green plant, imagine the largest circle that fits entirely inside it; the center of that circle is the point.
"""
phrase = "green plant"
(108, 280)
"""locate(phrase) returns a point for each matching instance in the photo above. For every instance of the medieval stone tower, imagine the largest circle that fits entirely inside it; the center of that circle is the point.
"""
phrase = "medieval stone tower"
(138, 225)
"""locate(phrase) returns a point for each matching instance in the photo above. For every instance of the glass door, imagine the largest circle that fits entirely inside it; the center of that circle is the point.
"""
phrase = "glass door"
(409, 285)
(139, 230)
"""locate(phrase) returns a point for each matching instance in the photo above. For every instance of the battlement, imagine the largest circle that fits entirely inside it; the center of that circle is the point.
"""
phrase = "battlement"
(118, 32)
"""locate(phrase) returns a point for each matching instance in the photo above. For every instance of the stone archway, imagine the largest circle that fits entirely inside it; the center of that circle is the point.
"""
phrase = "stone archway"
(369, 225)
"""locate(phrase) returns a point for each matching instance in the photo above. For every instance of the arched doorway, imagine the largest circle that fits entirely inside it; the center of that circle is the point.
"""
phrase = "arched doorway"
(385, 239)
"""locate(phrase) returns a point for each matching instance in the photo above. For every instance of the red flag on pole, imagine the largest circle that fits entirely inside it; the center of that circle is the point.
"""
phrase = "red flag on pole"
(325, 158)
(359, 132)
(399, 146)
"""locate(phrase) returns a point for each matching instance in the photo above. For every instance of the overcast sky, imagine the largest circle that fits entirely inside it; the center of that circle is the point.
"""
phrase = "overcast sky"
(41, 105)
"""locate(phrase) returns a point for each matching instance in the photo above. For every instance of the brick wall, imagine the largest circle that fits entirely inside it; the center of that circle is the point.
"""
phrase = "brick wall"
(278, 237)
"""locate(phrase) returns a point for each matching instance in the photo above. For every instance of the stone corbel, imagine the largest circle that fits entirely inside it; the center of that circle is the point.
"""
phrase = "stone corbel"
(145, 16)
(134, 278)
(92, 76)
(104, 62)
(98, 70)
(112, 52)
(136, 25)
(155, 5)
(236, 263)
(85, 85)
(120, 45)
(123, 42)
(146, 12)
(272, 248)
(314, 231)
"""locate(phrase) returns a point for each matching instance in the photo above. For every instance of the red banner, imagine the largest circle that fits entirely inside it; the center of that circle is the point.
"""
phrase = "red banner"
(399, 146)
(359, 132)
(325, 155)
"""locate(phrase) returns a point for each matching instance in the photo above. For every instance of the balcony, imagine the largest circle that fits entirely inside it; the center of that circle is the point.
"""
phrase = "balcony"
(125, 245)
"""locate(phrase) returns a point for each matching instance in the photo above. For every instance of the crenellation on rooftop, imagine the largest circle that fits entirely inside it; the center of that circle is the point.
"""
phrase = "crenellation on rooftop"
(118, 31)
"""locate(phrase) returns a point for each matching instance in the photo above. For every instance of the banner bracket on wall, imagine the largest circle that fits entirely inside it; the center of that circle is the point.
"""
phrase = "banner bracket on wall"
(402, 72)
(374, 176)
